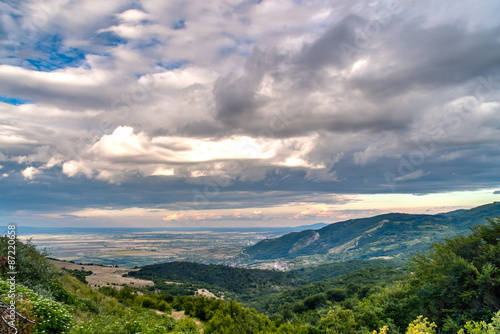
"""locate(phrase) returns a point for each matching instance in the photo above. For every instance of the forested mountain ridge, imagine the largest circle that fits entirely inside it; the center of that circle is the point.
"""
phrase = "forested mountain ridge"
(387, 235)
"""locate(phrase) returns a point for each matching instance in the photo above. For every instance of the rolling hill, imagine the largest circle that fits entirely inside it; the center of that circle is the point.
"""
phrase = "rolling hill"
(242, 282)
(388, 235)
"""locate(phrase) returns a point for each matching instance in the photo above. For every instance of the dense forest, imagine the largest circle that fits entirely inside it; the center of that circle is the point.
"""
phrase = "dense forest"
(454, 287)
(335, 269)
(233, 281)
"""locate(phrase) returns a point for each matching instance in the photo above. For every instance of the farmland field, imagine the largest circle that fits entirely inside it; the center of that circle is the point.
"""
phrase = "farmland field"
(134, 247)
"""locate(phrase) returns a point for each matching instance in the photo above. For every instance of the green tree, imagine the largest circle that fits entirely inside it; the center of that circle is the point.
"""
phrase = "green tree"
(338, 321)
(336, 295)
(459, 279)
(315, 301)
(33, 269)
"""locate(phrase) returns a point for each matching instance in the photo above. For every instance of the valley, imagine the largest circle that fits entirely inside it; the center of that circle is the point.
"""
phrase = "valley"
(392, 236)
(129, 248)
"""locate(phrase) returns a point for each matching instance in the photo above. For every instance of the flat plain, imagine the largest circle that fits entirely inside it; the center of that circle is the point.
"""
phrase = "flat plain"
(129, 249)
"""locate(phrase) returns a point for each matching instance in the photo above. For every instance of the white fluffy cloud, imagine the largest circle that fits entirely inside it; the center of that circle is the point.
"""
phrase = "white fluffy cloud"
(124, 152)
(30, 172)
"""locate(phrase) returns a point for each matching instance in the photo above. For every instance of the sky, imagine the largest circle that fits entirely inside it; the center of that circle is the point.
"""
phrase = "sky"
(151, 113)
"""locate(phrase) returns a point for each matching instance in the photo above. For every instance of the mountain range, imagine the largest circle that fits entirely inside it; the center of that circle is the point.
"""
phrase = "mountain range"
(392, 235)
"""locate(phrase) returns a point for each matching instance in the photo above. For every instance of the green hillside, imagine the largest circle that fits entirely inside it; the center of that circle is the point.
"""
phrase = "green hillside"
(318, 294)
(336, 269)
(241, 282)
(387, 235)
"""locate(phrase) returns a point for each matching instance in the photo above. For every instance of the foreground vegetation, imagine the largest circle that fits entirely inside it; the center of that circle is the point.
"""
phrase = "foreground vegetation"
(452, 288)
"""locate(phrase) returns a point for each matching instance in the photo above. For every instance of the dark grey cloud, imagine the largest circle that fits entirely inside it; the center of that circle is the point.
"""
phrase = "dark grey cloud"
(329, 49)
(431, 58)
(409, 56)
(235, 97)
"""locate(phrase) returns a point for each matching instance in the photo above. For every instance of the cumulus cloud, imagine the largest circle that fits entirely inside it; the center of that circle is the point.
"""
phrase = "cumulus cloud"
(3, 175)
(123, 151)
(30, 172)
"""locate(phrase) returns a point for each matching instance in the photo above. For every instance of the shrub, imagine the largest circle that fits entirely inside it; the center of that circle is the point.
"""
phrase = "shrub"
(51, 317)
(127, 321)
(474, 327)
(33, 269)
(421, 326)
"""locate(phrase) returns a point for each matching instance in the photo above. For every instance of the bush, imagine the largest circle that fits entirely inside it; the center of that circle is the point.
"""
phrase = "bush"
(130, 321)
(474, 327)
(33, 269)
(168, 298)
(51, 317)
(163, 306)
(421, 326)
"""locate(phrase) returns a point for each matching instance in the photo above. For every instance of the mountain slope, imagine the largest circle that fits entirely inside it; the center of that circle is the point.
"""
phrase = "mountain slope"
(451, 213)
(336, 269)
(387, 235)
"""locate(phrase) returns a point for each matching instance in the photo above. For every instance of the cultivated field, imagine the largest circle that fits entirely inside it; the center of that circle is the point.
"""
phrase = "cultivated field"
(105, 276)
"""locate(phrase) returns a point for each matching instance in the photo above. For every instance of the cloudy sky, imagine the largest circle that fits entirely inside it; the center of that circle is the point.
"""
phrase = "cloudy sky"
(245, 113)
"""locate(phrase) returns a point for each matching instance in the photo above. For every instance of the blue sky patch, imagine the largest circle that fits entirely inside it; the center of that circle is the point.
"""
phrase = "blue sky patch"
(181, 24)
(226, 50)
(16, 101)
(53, 55)
(108, 38)
(172, 65)
(147, 43)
